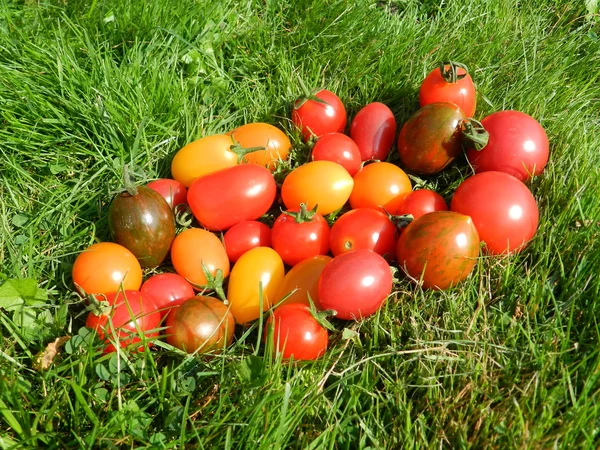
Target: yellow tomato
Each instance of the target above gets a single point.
(322, 183)
(303, 279)
(258, 265)
(380, 185)
(275, 142)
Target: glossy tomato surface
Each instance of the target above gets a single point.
(301, 281)
(440, 86)
(374, 130)
(338, 148)
(316, 118)
(517, 145)
(420, 202)
(380, 185)
(276, 145)
(230, 196)
(172, 191)
(167, 290)
(244, 236)
(502, 208)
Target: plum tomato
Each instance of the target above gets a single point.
(439, 248)
(450, 83)
(172, 191)
(380, 185)
(338, 148)
(502, 208)
(167, 290)
(420, 202)
(301, 281)
(374, 130)
(270, 145)
(326, 114)
(244, 236)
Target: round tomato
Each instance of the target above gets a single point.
(301, 281)
(517, 145)
(374, 129)
(271, 144)
(230, 196)
(502, 208)
(258, 266)
(355, 284)
(106, 267)
(439, 248)
(380, 185)
(199, 325)
(449, 83)
(296, 333)
(167, 290)
(420, 202)
(172, 191)
(319, 117)
(206, 155)
(322, 183)
(338, 148)
(244, 236)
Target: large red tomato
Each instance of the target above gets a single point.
(420, 202)
(244, 236)
(316, 117)
(374, 129)
(380, 185)
(338, 148)
(167, 290)
(450, 83)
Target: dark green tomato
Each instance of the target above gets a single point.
(431, 138)
(143, 223)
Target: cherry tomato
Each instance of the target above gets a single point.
(355, 284)
(322, 183)
(421, 202)
(106, 267)
(202, 157)
(194, 247)
(380, 185)
(502, 208)
(256, 266)
(230, 196)
(317, 118)
(172, 191)
(338, 148)
(167, 290)
(296, 333)
(302, 280)
(517, 145)
(449, 83)
(132, 315)
(246, 235)
(275, 142)
(374, 130)
(199, 325)
(439, 248)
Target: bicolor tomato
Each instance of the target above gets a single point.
(374, 130)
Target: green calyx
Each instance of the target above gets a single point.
(449, 71)
(307, 95)
(474, 134)
(129, 181)
(304, 215)
(241, 151)
(213, 283)
(321, 316)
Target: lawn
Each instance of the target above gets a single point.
(508, 359)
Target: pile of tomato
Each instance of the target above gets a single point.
(343, 220)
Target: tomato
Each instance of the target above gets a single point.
(302, 280)
(167, 290)
(316, 117)
(518, 145)
(502, 208)
(450, 83)
(380, 185)
(246, 235)
(202, 157)
(132, 315)
(276, 145)
(194, 247)
(364, 228)
(374, 130)
(199, 325)
(439, 248)
(338, 148)
(421, 202)
(355, 284)
(296, 333)
(256, 266)
(322, 183)
(230, 196)
(106, 267)
(172, 191)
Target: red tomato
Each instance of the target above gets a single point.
(355, 284)
(364, 228)
(303, 280)
(296, 333)
(255, 135)
(244, 236)
(502, 208)
(317, 118)
(132, 315)
(338, 148)
(380, 185)
(172, 191)
(420, 202)
(374, 129)
(449, 83)
(300, 234)
(222, 199)
(167, 290)
(517, 145)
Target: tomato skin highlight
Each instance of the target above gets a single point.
(441, 247)
(435, 89)
(172, 191)
(167, 290)
(258, 134)
(503, 210)
(421, 202)
(224, 198)
(380, 185)
(338, 148)
(316, 118)
(374, 130)
(303, 280)
(244, 236)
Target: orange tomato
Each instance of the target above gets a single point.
(302, 279)
(380, 185)
(275, 142)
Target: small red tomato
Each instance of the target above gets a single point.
(449, 83)
(172, 191)
(167, 290)
(296, 333)
(338, 148)
(420, 202)
(380, 185)
(374, 129)
(244, 236)
(319, 117)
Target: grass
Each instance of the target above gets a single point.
(510, 359)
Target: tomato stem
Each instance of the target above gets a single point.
(307, 95)
(129, 181)
(242, 151)
(303, 215)
(449, 71)
(213, 283)
(321, 316)
(474, 133)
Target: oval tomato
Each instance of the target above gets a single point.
(338, 148)
(172, 191)
(230, 196)
(301, 281)
(316, 118)
(274, 142)
(244, 236)
(322, 183)
(450, 83)
(167, 290)
(380, 185)
(374, 129)
(420, 202)
(355, 284)
(502, 208)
